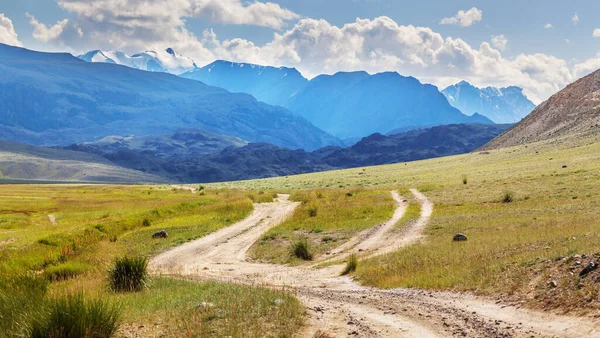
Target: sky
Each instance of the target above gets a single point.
(539, 45)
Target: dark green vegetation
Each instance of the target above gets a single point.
(301, 250)
(128, 274)
(73, 316)
(57, 244)
(260, 160)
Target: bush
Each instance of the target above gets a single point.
(301, 250)
(312, 212)
(146, 222)
(73, 316)
(129, 274)
(508, 197)
(351, 264)
(465, 179)
(64, 271)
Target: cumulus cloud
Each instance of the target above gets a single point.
(134, 25)
(7, 32)
(464, 18)
(548, 26)
(499, 42)
(575, 19)
(596, 33)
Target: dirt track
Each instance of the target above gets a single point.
(338, 306)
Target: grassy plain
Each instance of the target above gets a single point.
(326, 219)
(69, 236)
(547, 233)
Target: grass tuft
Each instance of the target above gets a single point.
(129, 274)
(301, 250)
(73, 316)
(508, 197)
(64, 271)
(465, 179)
(351, 264)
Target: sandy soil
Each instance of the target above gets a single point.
(338, 306)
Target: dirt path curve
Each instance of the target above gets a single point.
(339, 306)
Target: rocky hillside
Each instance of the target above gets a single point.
(261, 160)
(573, 110)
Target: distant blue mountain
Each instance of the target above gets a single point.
(268, 84)
(347, 105)
(357, 104)
(57, 99)
(501, 105)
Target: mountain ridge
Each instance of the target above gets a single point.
(501, 105)
(166, 61)
(57, 99)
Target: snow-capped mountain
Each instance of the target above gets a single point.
(167, 61)
(501, 105)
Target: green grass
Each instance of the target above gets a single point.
(97, 224)
(128, 274)
(413, 210)
(74, 316)
(351, 264)
(230, 310)
(301, 249)
(325, 219)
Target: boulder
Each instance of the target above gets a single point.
(160, 234)
(459, 238)
(588, 268)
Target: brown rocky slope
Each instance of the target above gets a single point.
(574, 110)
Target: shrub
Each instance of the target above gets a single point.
(64, 271)
(301, 250)
(508, 197)
(351, 264)
(349, 194)
(73, 316)
(146, 222)
(465, 179)
(129, 274)
(312, 212)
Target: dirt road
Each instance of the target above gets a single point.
(338, 306)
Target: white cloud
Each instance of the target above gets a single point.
(45, 33)
(7, 32)
(548, 26)
(499, 42)
(315, 47)
(575, 19)
(464, 19)
(596, 33)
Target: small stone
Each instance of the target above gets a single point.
(459, 238)
(205, 305)
(553, 284)
(278, 301)
(588, 268)
(160, 234)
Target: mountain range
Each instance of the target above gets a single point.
(166, 61)
(501, 105)
(346, 105)
(261, 160)
(267, 84)
(57, 99)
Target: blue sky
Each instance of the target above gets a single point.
(492, 43)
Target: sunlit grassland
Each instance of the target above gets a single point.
(556, 186)
(326, 219)
(71, 234)
(412, 212)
